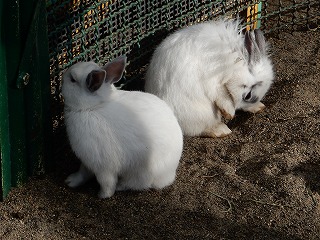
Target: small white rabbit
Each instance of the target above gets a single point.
(208, 70)
(128, 140)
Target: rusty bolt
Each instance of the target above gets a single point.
(26, 79)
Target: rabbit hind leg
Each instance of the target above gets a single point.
(165, 179)
(134, 180)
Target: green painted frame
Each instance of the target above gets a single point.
(5, 164)
(25, 130)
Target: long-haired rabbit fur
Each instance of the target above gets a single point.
(127, 140)
(210, 70)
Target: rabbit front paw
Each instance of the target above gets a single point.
(108, 182)
(219, 130)
(226, 109)
(255, 108)
(106, 193)
(227, 115)
(225, 103)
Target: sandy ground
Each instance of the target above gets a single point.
(262, 182)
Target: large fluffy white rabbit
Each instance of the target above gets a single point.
(208, 70)
(127, 140)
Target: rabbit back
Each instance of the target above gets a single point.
(203, 71)
(134, 136)
(181, 74)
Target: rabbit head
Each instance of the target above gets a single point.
(251, 75)
(83, 86)
(254, 80)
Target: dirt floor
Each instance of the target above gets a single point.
(262, 182)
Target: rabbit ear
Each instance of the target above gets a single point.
(255, 44)
(261, 42)
(248, 43)
(95, 79)
(115, 69)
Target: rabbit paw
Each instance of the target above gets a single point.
(107, 183)
(226, 109)
(226, 115)
(255, 108)
(78, 178)
(121, 187)
(219, 130)
(106, 193)
(75, 180)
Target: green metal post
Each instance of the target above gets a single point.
(14, 40)
(25, 132)
(5, 164)
(35, 61)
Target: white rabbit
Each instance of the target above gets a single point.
(208, 70)
(127, 140)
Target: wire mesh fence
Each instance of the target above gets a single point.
(85, 30)
(290, 15)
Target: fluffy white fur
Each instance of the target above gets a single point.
(208, 70)
(128, 140)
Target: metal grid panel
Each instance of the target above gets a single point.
(83, 30)
(99, 30)
(290, 15)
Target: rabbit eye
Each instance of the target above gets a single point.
(72, 79)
